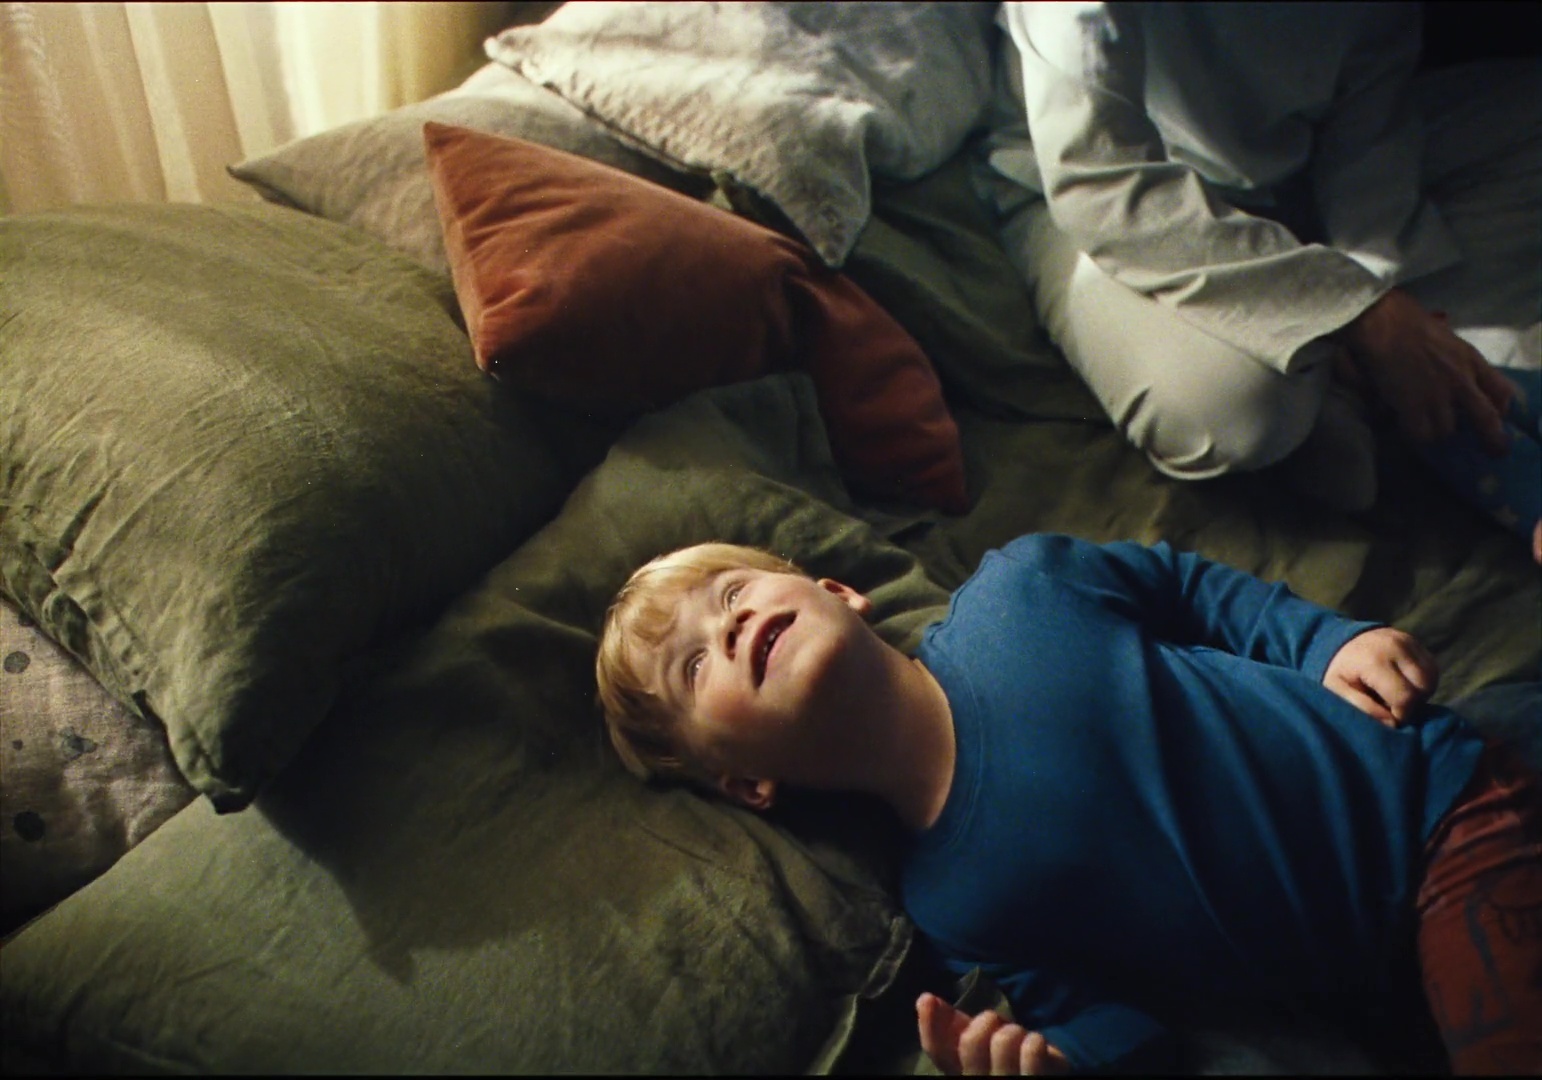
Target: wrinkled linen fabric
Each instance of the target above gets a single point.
(1268, 202)
(798, 102)
(1168, 161)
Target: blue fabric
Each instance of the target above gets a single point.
(1507, 488)
(1155, 799)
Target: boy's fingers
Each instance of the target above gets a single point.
(1034, 1057)
(1362, 701)
(1417, 677)
(974, 1046)
(1042, 1059)
(1388, 684)
(1429, 667)
(1007, 1055)
(1410, 661)
(1408, 678)
(940, 1025)
(1415, 671)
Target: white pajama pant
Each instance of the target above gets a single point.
(1199, 407)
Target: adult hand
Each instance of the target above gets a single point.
(983, 1045)
(1426, 374)
(1384, 673)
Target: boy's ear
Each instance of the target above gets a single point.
(858, 602)
(755, 794)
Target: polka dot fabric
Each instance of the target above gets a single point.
(83, 778)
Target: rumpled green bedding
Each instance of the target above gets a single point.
(454, 875)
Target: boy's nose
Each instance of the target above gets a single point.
(733, 627)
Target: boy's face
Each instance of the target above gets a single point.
(761, 668)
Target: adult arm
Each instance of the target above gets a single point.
(1155, 225)
(1152, 223)
(1367, 171)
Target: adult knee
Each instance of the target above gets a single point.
(1196, 421)
(1196, 406)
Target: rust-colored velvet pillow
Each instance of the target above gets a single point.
(617, 295)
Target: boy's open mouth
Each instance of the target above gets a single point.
(765, 639)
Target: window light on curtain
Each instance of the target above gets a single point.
(148, 102)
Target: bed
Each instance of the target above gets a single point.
(310, 510)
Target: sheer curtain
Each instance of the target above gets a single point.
(148, 102)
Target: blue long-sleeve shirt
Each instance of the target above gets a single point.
(1155, 798)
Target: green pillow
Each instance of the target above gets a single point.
(239, 446)
(456, 874)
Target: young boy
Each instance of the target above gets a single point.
(1134, 778)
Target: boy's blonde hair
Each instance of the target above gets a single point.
(642, 728)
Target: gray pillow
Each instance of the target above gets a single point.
(372, 173)
(240, 446)
(797, 102)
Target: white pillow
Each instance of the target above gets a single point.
(799, 102)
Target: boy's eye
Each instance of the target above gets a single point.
(732, 594)
(692, 669)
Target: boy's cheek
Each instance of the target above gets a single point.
(708, 745)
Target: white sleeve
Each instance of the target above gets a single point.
(1368, 159)
(1152, 223)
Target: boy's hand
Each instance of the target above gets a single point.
(1384, 673)
(983, 1045)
